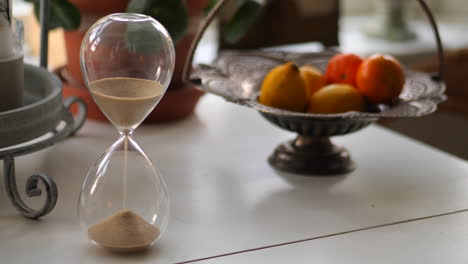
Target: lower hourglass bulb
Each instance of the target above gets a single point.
(124, 204)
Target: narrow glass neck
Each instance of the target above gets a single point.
(126, 132)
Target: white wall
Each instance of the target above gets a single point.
(455, 7)
(351, 7)
(356, 7)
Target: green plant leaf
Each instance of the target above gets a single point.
(143, 39)
(245, 17)
(242, 2)
(138, 6)
(62, 14)
(210, 6)
(172, 14)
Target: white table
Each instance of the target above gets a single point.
(225, 197)
(432, 241)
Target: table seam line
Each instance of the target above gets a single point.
(326, 236)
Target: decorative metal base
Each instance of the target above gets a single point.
(311, 156)
(32, 188)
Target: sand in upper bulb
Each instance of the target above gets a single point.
(126, 101)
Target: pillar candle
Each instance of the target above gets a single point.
(11, 62)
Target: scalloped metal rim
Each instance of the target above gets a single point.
(275, 111)
(422, 92)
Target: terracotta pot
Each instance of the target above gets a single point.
(176, 104)
(182, 48)
(73, 43)
(196, 7)
(102, 7)
(180, 99)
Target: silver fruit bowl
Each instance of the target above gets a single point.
(237, 76)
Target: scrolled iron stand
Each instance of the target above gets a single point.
(72, 125)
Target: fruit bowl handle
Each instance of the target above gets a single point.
(440, 48)
(201, 31)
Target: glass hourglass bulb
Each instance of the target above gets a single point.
(127, 62)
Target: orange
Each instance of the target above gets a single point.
(380, 79)
(336, 98)
(342, 68)
(313, 78)
(284, 88)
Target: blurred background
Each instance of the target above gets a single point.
(365, 27)
(447, 128)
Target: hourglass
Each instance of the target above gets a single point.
(127, 62)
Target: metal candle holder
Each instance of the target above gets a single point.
(237, 75)
(33, 121)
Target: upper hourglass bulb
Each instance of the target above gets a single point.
(127, 62)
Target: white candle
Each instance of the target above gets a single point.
(6, 34)
(6, 39)
(11, 64)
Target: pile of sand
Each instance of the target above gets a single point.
(124, 231)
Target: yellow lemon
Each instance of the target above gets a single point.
(313, 78)
(284, 88)
(336, 98)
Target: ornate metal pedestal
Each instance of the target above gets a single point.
(318, 155)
